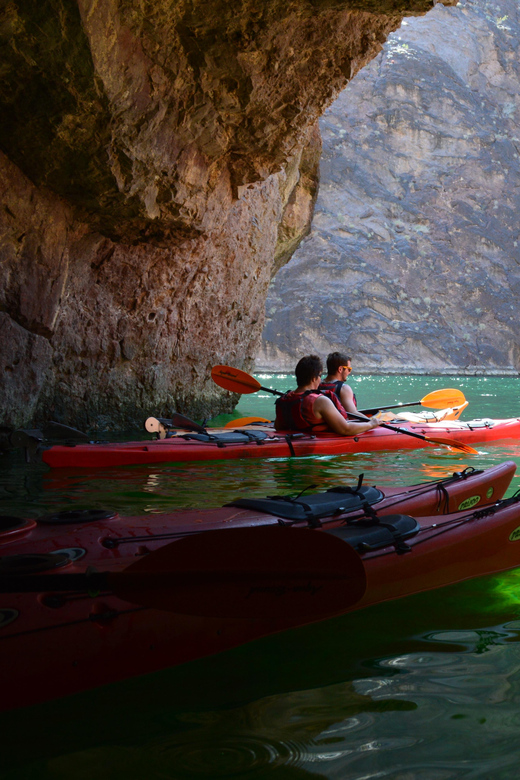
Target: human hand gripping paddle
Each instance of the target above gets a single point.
(269, 572)
(238, 381)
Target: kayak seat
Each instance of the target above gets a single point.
(233, 437)
(485, 422)
(315, 506)
(10, 523)
(76, 516)
(390, 531)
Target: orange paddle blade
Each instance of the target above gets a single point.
(234, 380)
(245, 421)
(452, 444)
(440, 399)
(268, 572)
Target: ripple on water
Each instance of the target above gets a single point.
(230, 755)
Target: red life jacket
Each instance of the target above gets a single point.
(335, 387)
(294, 411)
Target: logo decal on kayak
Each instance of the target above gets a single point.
(514, 536)
(490, 492)
(469, 502)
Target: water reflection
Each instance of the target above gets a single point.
(424, 687)
(427, 687)
(35, 489)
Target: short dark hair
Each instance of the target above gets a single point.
(335, 360)
(307, 369)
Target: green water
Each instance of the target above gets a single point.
(427, 687)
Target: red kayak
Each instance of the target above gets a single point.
(256, 443)
(66, 629)
(104, 534)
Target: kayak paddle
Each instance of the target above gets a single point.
(54, 430)
(270, 572)
(437, 399)
(451, 443)
(246, 421)
(154, 424)
(239, 382)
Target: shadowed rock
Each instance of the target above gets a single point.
(158, 163)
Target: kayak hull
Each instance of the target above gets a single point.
(53, 645)
(81, 643)
(277, 445)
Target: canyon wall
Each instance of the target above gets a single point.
(413, 262)
(158, 163)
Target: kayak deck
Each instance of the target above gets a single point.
(276, 444)
(104, 534)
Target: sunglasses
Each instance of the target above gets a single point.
(349, 368)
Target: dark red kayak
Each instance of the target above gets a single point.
(105, 534)
(65, 628)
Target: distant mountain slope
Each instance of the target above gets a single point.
(413, 262)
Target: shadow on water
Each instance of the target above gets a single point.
(290, 706)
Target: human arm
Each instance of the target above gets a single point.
(325, 410)
(346, 396)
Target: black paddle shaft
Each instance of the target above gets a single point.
(394, 428)
(270, 390)
(402, 430)
(385, 408)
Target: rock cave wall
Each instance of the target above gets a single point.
(158, 162)
(413, 262)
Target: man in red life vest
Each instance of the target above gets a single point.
(338, 370)
(308, 409)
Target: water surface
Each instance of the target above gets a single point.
(427, 687)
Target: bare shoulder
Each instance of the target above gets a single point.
(322, 403)
(347, 391)
(323, 400)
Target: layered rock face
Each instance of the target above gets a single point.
(158, 163)
(413, 263)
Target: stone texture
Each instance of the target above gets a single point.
(158, 163)
(413, 262)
